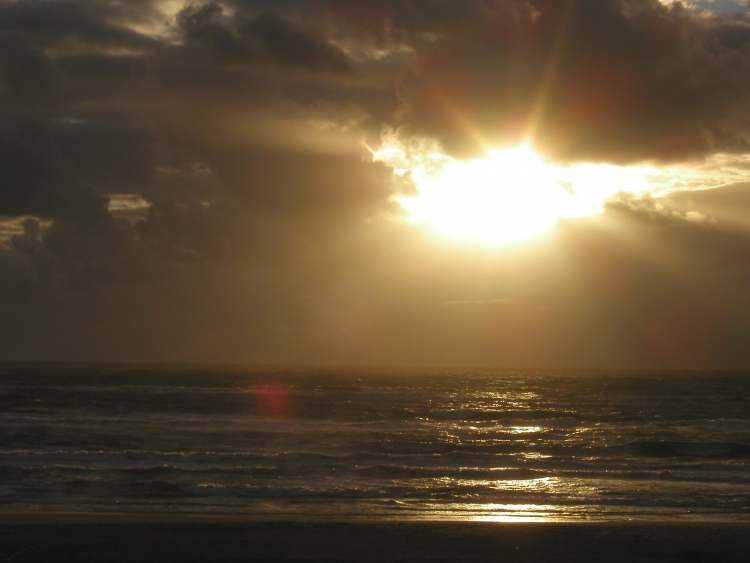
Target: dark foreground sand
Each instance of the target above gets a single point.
(62, 540)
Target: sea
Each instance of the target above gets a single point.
(300, 445)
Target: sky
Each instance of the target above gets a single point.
(507, 183)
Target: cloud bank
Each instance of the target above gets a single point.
(187, 181)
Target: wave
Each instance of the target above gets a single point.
(151, 439)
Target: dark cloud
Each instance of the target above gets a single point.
(289, 45)
(622, 80)
(28, 80)
(59, 166)
(105, 123)
(203, 26)
(249, 39)
(51, 23)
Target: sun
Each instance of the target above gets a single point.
(482, 200)
(510, 196)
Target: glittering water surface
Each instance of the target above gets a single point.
(491, 446)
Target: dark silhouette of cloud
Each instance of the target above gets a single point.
(53, 22)
(624, 80)
(248, 39)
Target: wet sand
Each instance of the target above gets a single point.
(78, 539)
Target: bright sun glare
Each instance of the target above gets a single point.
(511, 195)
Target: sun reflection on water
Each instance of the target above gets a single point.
(515, 513)
(525, 429)
(500, 512)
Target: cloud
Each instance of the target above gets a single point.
(196, 188)
(129, 206)
(248, 39)
(54, 167)
(598, 79)
(728, 205)
(63, 23)
(20, 229)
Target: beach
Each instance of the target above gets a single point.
(30, 539)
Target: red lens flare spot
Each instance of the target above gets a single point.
(273, 400)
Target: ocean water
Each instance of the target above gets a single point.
(457, 445)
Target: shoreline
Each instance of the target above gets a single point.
(176, 518)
